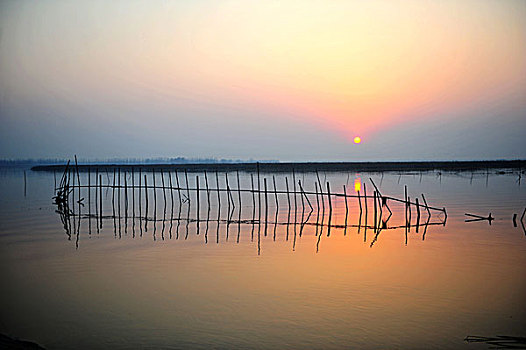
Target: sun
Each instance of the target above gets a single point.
(357, 140)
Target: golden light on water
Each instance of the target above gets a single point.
(357, 140)
(357, 184)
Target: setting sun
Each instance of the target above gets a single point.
(357, 140)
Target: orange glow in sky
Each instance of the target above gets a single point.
(252, 68)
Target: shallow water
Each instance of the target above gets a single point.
(264, 286)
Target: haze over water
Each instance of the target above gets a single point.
(285, 80)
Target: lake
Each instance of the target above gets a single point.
(269, 276)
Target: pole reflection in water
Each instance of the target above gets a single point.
(338, 215)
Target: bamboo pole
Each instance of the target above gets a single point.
(164, 188)
(317, 207)
(217, 187)
(197, 199)
(171, 193)
(187, 187)
(72, 192)
(140, 200)
(405, 201)
(266, 202)
(330, 209)
(178, 187)
(305, 195)
(321, 194)
(113, 192)
(133, 199)
(253, 202)
(346, 205)
(375, 214)
(239, 194)
(100, 198)
(409, 213)
(97, 198)
(359, 202)
(365, 201)
(427, 206)
(259, 193)
(89, 199)
(346, 209)
(229, 197)
(294, 193)
(119, 192)
(125, 201)
(155, 200)
(207, 190)
(287, 186)
(275, 192)
(146, 200)
(78, 180)
(417, 214)
(119, 200)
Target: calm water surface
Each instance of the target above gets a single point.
(183, 284)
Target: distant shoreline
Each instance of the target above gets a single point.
(306, 166)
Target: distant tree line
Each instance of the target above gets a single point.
(167, 160)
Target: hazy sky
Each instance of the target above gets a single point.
(287, 80)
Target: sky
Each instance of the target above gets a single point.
(280, 80)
